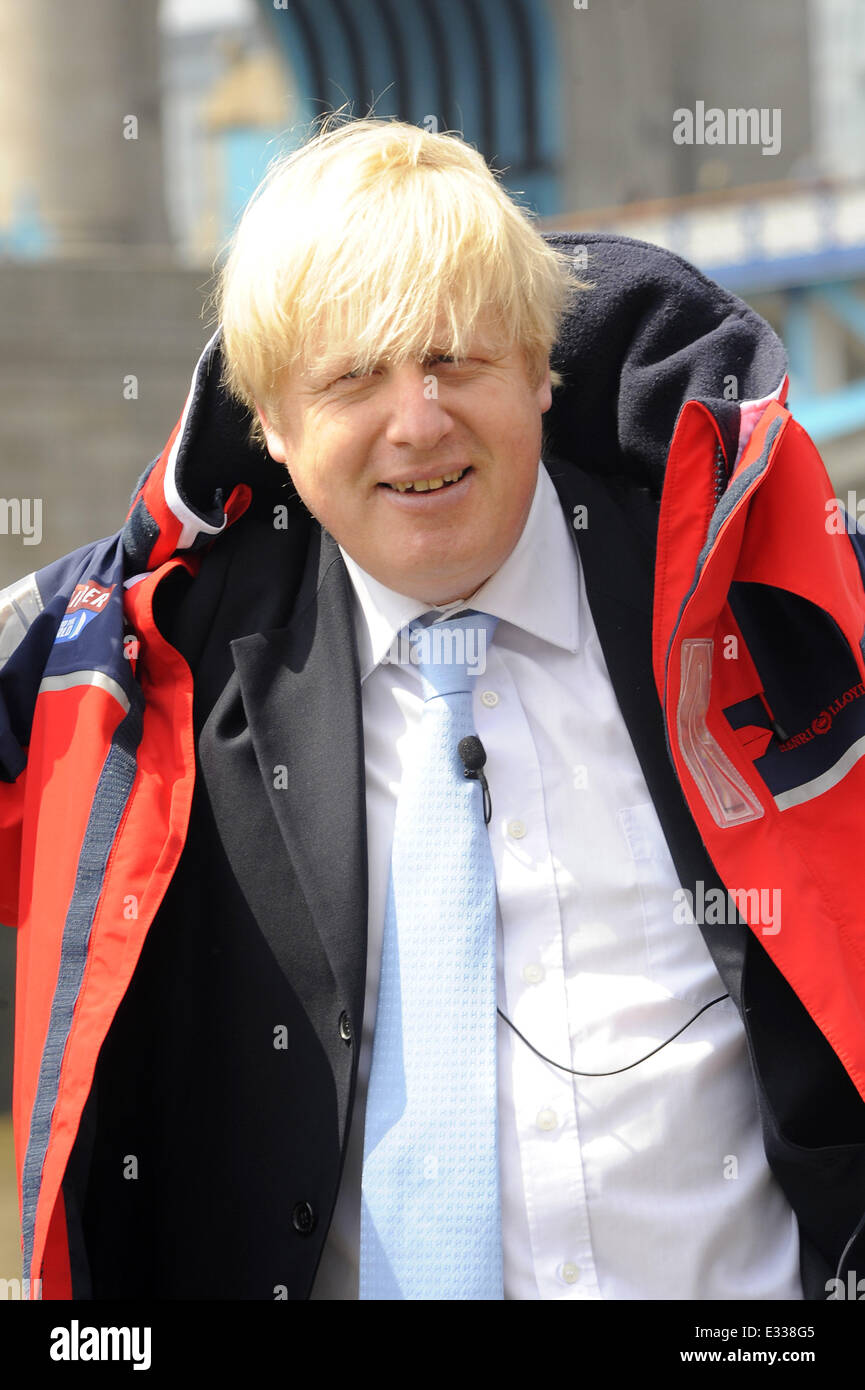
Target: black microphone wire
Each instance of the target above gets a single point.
(617, 1070)
(473, 756)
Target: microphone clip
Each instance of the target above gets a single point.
(473, 756)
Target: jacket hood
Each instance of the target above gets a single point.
(651, 333)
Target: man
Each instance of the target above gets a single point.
(242, 1009)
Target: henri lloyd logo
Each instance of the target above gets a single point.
(87, 601)
(440, 645)
(823, 723)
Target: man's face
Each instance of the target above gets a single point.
(349, 441)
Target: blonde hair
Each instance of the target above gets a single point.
(378, 239)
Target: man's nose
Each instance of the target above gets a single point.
(415, 414)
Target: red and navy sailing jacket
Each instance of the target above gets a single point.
(759, 663)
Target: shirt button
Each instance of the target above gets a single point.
(569, 1272)
(345, 1027)
(533, 974)
(489, 698)
(516, 829)
(547, 1119)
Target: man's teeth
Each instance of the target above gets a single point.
(429, 484)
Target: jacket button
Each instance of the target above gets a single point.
(303, 1219)
(345, 1027)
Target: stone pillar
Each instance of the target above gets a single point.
(80, 137)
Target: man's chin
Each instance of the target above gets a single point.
(436, 589)
(427, 575)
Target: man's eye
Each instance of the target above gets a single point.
(439, 357)
(356, 375)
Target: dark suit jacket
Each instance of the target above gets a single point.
(229, 1070)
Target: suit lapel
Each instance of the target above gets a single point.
(299, 689)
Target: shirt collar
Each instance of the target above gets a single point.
(540, 598)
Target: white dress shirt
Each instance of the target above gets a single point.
(651, 1184)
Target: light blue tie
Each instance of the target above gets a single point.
(431, 1209)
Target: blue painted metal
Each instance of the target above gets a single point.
(301, 43)
(833, 415)
(762, 275)
(798, 336)
(485, 68)
(843, 301)
(246, 154)
(544, 188)
(26, 236)
(489, 70)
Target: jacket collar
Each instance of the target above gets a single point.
(649, 334)
(299, 689)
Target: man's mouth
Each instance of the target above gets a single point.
(428, 484)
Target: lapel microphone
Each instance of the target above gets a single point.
(473, 756)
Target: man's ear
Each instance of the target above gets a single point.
(275, 441)
(545, 391)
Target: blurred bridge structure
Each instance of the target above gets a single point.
(795, 250)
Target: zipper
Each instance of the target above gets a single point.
(721, 478)
(719, 486)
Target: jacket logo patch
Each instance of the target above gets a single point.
(823, 723)
(87, 601)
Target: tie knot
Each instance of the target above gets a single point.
(449, 654)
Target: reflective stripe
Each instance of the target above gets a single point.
(830, 778)
(20, 604)
(109, 803)
(73, 678)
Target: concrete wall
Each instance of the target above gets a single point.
(69, 334)
(80, 124)
(628, 66)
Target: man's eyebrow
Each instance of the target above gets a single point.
(338, 366)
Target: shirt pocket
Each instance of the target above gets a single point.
(677, 957)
